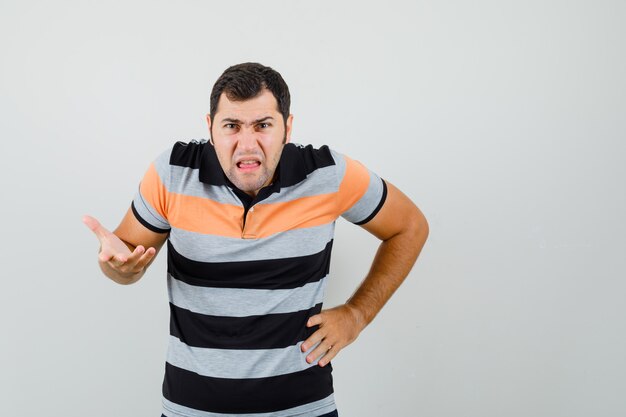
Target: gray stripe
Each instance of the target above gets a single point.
(186, 181)
(162, 166)
(289, 244)
(368, 203)
(314, 409)
(321, 181)
(235, 363)
(148, 213)
(237, 302)
(340, 166)
(145, 210)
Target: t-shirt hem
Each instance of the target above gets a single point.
(324, 408)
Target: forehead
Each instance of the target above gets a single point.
(264, 104)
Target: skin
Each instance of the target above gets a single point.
(123, 255)
(403, 230)
(254, 131)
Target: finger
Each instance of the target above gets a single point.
(125, 262)
(139, 259)
(95, 227)
(131, 260)
(146, 258)
(115, 261)
(319, 351)
(314, 320)
(313, 340)
(105, 256)
(330, 354)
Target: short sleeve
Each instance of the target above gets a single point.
(361, 193)
(150, 203)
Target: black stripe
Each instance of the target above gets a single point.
(297, 162)
(285, 273)
(378, 207)
(269, 331)
(145, 223)
(187, 155)
(254, 395)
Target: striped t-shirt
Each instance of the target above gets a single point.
(244, 275)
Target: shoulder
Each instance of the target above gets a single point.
(314, 158)
(298, 162)
(309, 155)
(180, 154)
(187, 154)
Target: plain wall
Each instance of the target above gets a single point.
(503, 120)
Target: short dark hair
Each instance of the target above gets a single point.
(245, 81)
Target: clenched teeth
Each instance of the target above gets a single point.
(248, 162)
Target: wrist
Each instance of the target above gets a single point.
(358, 315)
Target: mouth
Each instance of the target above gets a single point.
(248, 165)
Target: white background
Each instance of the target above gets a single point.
(503, 120)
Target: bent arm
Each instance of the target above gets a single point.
(403, 230)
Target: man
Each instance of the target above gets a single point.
(249, 219)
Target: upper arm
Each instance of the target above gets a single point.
(397, 215)
(146, 221)
(133, 233)
(376, 205)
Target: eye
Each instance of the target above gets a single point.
(230, 126)
(264, 125)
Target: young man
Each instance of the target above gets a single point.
(249, 219)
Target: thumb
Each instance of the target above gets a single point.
(95, 227)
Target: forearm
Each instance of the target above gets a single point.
(393, 262)
(403, 230)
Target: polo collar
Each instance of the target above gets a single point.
(211, 171)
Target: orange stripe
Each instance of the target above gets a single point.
(153, 191)
(202, 215)
(268, 219)
(353, 185)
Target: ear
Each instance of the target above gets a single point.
(288, 126)
(208, 122)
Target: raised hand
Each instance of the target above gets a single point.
(115, 255)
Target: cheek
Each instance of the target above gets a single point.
(224, 157)
(272, 146)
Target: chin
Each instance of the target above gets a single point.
(248, 186)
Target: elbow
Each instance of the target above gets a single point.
(418, 227)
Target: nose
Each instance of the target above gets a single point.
(247, 139)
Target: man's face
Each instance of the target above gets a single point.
(248, 137)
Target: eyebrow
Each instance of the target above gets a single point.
(231, 120)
